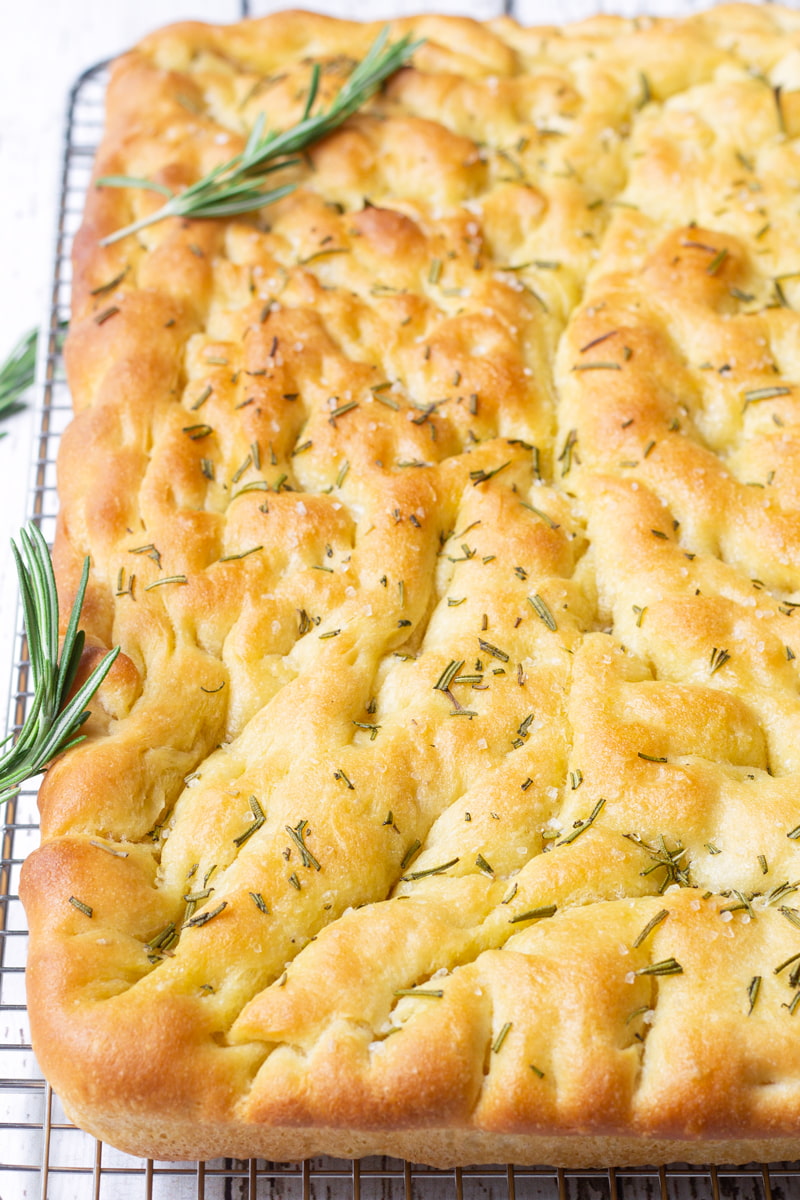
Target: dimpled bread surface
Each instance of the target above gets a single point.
(444, 798)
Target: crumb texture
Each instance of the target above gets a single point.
(445, 794)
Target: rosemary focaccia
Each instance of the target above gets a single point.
(444, 799)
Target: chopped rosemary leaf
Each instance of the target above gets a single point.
(302, 262)
(372, 729)
(241, 554)
(541, 515)
(112, 283)
(255, 485)
(493, 650)
(482, 475)
(431, 993)
(163, 940)
(169, 579)
(765, 393)
(637, 1012)
(106, 314)
(203, 918)
(150, 551)
(196, 432)
(259, 902)
(340, 478)
(597, 366)
(448, 675)
(718, 659)
(258, 821)
(717, 261)
(525, 725)
(651, 757)
(431, 871)
(597, 341)
(786, 964)
(84, 908)
(753, 988)
(239, 472)
(542, 611)
(484, 866)
(650, 926)
(670, 860)
(539, 1074)
(568, 452)
(791, 914)
(501, 1037)
(647, 92)
(341, 410)
(297, 836)
(340, 774)
(410, 854)
(781, 891)
(668, 966)
(534, 914)
(582, 826)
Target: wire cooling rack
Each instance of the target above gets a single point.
(41, 1153)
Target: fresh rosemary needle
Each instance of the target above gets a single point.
(53, 721)
(17, 373)
(239, 185)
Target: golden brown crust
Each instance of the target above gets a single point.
(443, 799)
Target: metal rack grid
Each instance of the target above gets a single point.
(41, 1153)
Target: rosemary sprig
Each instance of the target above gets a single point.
(17, 373)
(52, 723)
(238, 186)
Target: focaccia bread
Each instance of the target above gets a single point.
(444, 800)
